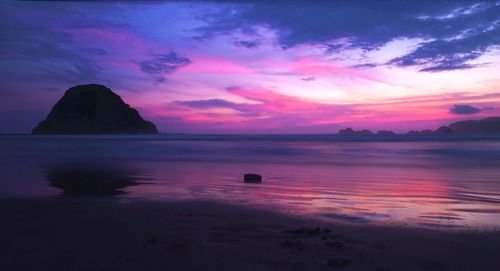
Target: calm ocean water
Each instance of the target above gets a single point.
(437, 182)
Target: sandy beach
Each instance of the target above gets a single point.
(105, 234)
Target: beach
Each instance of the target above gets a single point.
(103, 234)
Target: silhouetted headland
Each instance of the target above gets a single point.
(349, 131)
(93, 109)
(487, 126)
(385, 132)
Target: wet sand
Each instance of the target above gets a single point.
(104, 234)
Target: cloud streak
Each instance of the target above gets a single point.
(163, 64)
(464, 109)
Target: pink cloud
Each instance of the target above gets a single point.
(315, 67)
(268, 111)
(203, 64)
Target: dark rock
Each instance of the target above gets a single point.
(252, 178)
(346, 131)
(443, 130)
(93, 109)
(363, 132)
(385, 132)
(349, 131)
(487, 126)
(422, 132)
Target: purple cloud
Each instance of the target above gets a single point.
(310, 78)
(211, 103)
(464, 109)
(247, 43)
(453, 32)
(163, 64)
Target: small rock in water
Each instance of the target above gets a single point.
(252, 178)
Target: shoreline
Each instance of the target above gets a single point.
(77, 233)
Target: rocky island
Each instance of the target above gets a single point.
(93, 109)
(486, 126)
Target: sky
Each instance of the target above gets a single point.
(255, 67)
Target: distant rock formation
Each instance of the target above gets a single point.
(93, 109)
(443, 130)
(349, 131)
(422, 132)
(346, 131)
(385, 132)
(363, 132)
(487, 126)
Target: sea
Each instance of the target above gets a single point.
(441, 182)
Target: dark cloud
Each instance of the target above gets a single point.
(247, 43)
(310, 78)
(163, 64)
(464, 109)
(453, 32)
(365, 65)
(441, 55)
(232, 88)
(50, 53)
(211, 103)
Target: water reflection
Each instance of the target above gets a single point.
(440, 184)
(409, 196)
(91, 179)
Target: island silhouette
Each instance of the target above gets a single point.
(486, 126)
(93, 109)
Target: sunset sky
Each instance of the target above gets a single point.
(250, 67)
